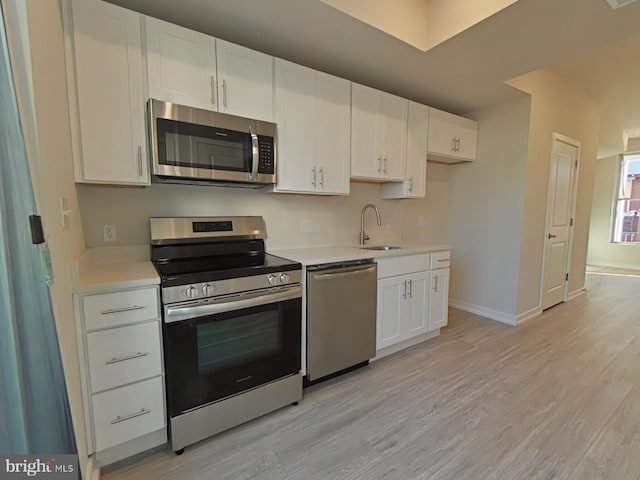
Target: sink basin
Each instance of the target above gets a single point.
(380, 247)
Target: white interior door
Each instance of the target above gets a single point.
(560, 206)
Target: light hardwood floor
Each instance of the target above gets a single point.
(557, 398)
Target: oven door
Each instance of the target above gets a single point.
(230, 345)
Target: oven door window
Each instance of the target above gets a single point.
(188, 145)
(213, 357)
(228, 344)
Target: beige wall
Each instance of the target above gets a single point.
(406, 22)
(334, 219)
(52, 173)
(556, 106)
(601, 250)
(487, 201)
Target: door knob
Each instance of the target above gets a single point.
(552, 236)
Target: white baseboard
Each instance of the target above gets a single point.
(576, 293)
(630, 266)
(496, 315)
(528, 315)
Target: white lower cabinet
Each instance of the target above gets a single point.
(128, 412)
(402, 308)
(412, 298)
(120, 345)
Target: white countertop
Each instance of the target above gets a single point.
(343, 253)
(92, 274)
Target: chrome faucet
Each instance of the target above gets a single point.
(363, 237)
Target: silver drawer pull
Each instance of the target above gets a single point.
(119, 419)
(122, 309)
(128, 357)
(443, 259)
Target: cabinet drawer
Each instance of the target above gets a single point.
(123, 355)
(390, 267)
(440, 259)
(129, 412)
(113, 309)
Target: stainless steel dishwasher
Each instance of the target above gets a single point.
(341, 317)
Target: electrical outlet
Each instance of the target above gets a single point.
(109, 233)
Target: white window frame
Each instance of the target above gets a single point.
(616, 213)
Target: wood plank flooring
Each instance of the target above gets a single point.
(557, 398)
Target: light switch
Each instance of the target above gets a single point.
(66, 212)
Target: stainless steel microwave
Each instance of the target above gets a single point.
(191, 145)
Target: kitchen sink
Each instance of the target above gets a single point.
(380, 247)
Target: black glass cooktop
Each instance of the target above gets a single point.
(206, 269)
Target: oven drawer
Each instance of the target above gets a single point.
(113, 309)
(129, 412)
(123, 355)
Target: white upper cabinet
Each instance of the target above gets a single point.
(379, 135)
(415, 184)
(194, 69)
(181, 65)
(109, 109)
(451, 138)
(313, 117)
(245, 81)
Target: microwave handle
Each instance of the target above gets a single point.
(255, 155)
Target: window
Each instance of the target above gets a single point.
(627, 203)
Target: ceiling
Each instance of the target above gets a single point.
(462, 74)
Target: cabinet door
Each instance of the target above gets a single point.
(415, 184)
(394, 150)
(417, 316)
(451, 138)
(366, 104)
(441, 133)
(439, 298)
(295, 116)
(333, 140)
(467, 138)
(245, 81)
(110, 101)
(391, 311)
(417, 150)
(181, 65)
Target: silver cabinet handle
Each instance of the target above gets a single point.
(224, 92)
(313, 176)
(453, 144)
(435, 285)
(122, 309)
(411, 184)
(124, 359)
(322, 177)
(255, 154)
(385, 165)
(119, 419)
(139, 160)
(404, 292)
(410, 288)
(443, 259)
(213, 90)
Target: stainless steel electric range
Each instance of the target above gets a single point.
(232, 324)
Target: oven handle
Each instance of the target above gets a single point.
(229, 304)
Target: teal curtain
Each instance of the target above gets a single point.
(34, 409)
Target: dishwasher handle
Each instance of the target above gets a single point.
(342, 272)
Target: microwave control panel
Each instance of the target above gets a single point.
(267, 163)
